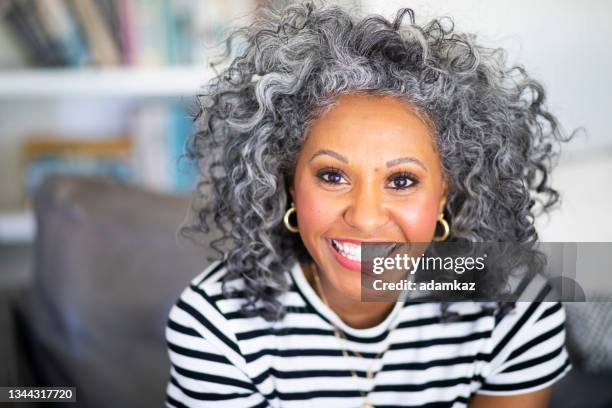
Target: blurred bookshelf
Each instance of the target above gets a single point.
(120, 81)
(137, 64)
(17, 227)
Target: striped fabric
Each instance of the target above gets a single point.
(221, 359)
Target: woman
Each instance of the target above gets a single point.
(329, 132)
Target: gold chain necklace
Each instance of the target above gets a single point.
(340, 336)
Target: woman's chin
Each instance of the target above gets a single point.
(349, 284)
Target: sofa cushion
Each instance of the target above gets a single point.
(589, 334)
(108, 267)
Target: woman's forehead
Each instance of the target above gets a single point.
(380, 125)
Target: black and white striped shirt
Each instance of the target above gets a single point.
(220, 358)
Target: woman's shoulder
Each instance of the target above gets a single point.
(534, 302)
(527, 345)
(210, 281)
(205, 290)
(198, 313)
(211, 275)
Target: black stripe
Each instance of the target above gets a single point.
(534, 361)
(436, 320)
(289, 310)
(286, 331)
(298, 374)
(535, 341)
(434, 363)
(526, 384)
(208, 396)
(528, 313)
(522, 286)
(213, 329)
(298, 353)
(211, 378)
(263, 404)
(421, 387)
(207, 298)
(436, 404)
(182, 329)
(214, 269)
(174, 402)
(238, 294)
(551, 310)
(202, 355)
(354, 394)
(441, 341)
(292, 396)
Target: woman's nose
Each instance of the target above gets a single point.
(365, 211)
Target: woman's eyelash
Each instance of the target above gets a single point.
(403, 180)
(403, 176)
(330, 171)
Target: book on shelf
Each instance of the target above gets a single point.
(104, 49)
(23, 21)
(45, 155)
(60, 28)
(150, 154)
(160, 133)
(69, 33)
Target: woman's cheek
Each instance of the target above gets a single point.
(418, 221)
(315, 212)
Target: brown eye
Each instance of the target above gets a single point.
(402, 181)
(331, 176)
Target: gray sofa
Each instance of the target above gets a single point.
(107, 269)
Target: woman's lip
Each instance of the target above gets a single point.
(389, 246)
(360, 241)
(365, 265)
(357, 266)
(342, 260)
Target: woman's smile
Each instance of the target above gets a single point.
(347, 253)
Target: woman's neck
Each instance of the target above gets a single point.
(355, 313)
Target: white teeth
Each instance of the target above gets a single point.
(348, 250)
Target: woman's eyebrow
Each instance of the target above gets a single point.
(390, 163)
(329, 153)
(400, 160)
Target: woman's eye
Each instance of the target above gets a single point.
(331, 176)
(402, 181)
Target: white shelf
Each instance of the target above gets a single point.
(123, 82)
(17, 227)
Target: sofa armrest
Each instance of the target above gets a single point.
(15, 369)
(8, 369)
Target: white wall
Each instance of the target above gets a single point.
(568, 46)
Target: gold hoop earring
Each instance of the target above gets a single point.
(286, 219)
(445, 226)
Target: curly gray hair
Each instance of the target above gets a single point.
(495, 137)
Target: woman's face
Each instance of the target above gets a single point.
(368, 171)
